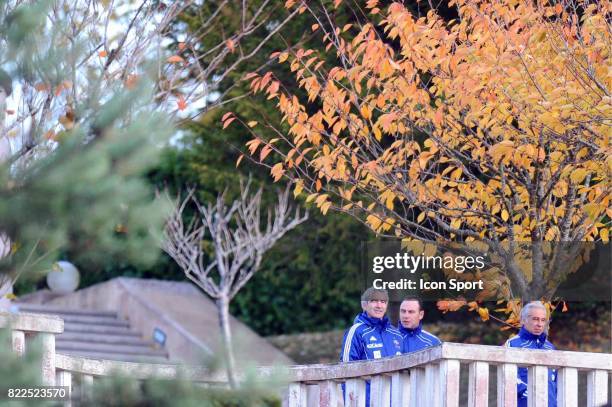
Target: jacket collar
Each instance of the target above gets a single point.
(408, 331)
(373, 322)
(528, 336)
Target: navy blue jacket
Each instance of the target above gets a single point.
(417, 338)
(370, 338)
(527, 340)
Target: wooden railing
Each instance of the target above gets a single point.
(431, 377)
(27, 327)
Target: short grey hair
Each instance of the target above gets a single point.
(530, 306)
(372, 294)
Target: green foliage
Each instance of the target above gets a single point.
(119, 391)
(123, 391)
(83, 193)
(16, 371)
(87, 195)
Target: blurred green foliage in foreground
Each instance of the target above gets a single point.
(116, 390)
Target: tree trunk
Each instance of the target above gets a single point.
(226, 334)
(6, 282)
(6, 289)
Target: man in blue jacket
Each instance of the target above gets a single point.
(372, 336)
(534, 325)
(414, 337)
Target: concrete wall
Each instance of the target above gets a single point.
(187, 317)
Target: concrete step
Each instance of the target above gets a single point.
(99, 335)
(77, 327)
(87, 317)
(94, 320)
(69, 346)
(117, 339)
(117, 356)
(53, 309)
(83, 316)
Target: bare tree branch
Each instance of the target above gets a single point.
(239, 237)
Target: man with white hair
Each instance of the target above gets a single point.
(534, 328)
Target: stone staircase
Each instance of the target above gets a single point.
(99, 335)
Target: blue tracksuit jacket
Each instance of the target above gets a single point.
(527, 340)
(370, 338)
(417, 338)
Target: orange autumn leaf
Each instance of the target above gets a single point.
(239, 160)
(102, 54)
(59, 89)
(131, 81)
(277, 172)
(450, 305)
(42, 87)
(484, 313)
(175, 59)
(252, 145)
(231, 45)
(228, 122)
(181, 103)
(263, 153)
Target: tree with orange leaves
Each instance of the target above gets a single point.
(489, 131)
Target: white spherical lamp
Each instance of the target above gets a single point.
(64, 278)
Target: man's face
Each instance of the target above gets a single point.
(536, 321)
(410, 314)
(376, 308)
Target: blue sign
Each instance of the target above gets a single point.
(159, 336)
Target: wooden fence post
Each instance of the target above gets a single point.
(478, 391)
(506, 385)
(537, 386)
(449, 383)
